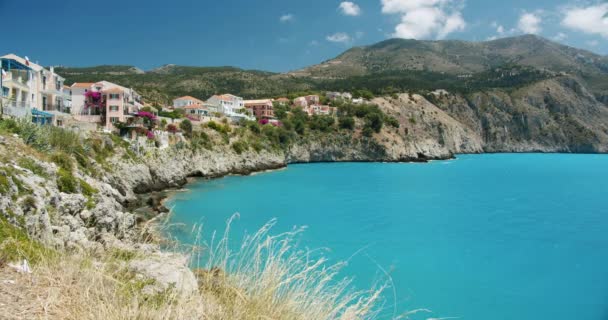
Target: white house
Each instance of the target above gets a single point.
(185, 101)
(27, 86)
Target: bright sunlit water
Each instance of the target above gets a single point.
(502, 236)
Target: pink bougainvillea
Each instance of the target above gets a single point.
(146, 114)
(263, 121)
(93, 95)
(150, 135)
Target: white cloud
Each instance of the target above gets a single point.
(286, 17)
(593, 43)
(350, 8)
(592, 19)
(529, 23)
(340, 37)
(425, 18)
(560, 36)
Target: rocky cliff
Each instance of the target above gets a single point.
(555, 115)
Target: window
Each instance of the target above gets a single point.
(114, 119)
(114, 96)
(113, 108)
(60, 123)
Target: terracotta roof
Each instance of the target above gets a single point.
(82, 84)
(195, 106)
(283, 100)
(260, 101)
(113, 90)
(188, 98)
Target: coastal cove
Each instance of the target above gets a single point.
(498, 236)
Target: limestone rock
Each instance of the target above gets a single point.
(169, 271)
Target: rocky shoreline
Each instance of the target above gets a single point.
(153, 202)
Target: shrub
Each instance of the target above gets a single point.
(322, 123)
(253, 127)
(346, 122)
(240, 146)
(374, 121)
(63, 161)
(201, 140)
(221, 128)
(412, 120)
(367, 132)
(392, 121)
(66, 182)
(186, 126)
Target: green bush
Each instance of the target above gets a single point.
(367, 132)
(63, 161)
(66, 182)
(201, 140)
(186, 127)
(374, 121)
(392, 121)
(240, 146)
(322, 123)
(221, 128)
(346, 122)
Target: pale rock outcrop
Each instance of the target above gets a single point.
(169, 271)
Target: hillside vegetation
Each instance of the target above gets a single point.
(391, 66)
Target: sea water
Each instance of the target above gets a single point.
(496, 236)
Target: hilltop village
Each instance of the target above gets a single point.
(31, 91)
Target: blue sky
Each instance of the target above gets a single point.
(274, 35)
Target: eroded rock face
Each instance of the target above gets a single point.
(556, 115)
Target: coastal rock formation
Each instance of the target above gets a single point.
(555, 115)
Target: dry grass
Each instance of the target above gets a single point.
(266, 278)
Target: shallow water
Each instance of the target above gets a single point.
(501, 236)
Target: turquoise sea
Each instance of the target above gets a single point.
(497, 236)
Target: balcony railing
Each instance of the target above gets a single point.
(17, 109)
(55, 107)
(20, 78)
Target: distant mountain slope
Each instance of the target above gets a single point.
(167, 82)
(458, 57)
(394, 65)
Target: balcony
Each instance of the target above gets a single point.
(56, 107)
(17, 109)
(19, 78)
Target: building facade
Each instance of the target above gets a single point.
(227, 104)
(185, 101)
(104, 103)
(261, 109)
(27, 86)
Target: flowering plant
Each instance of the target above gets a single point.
(150, 135)
(93, 95)
(172, 128)
(263, 121)
(146, 114)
